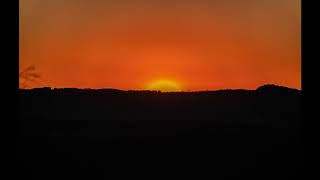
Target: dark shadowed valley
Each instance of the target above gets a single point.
(229, 133)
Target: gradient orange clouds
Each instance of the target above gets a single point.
(129, 44)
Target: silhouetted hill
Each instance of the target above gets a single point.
(271, 88)
(242, 133)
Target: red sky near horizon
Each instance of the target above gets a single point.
(129, 44)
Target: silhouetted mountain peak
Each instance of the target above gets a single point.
(272, 88)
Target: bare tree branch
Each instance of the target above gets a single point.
(28, 75)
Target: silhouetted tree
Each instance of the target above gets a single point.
(27, 75)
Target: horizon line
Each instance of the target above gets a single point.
(110, 88)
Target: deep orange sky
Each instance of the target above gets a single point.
(128, 44)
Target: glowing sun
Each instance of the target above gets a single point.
(164, 86)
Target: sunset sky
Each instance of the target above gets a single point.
(131, 44)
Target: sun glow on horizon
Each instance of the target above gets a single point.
(162, 45)
(164, 86)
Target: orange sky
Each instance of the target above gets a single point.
(128, 44)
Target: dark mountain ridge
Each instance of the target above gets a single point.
(266, 87)
(241, 133)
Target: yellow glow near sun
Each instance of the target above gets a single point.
(164, 86)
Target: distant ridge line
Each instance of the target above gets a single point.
(263, 88)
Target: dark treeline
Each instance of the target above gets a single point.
(239, 133)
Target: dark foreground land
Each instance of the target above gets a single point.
(72, 133)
